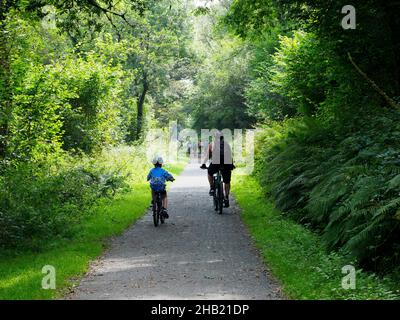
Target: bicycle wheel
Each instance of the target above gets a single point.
(215, 202)
(155, 219)
(156, 212)
(215, 198)
(220, 199)
(162, 218)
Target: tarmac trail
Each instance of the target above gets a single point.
(198, 254)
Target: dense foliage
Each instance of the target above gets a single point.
(57, 193)
(327, 98)
(79, 79)
(326, 101)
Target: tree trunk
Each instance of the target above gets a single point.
(140, 107)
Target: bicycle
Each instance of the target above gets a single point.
(218, 196)
(157, 209)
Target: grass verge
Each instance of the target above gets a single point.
(296, 256)
(21, 274)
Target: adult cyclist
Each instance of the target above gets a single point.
(220, 154)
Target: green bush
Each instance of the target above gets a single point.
(345, 185)
(42, 200)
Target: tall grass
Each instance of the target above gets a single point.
(297, 256)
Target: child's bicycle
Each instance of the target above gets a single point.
(158, 215)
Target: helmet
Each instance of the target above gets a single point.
(158, 160)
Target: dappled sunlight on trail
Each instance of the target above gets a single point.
(197, 254)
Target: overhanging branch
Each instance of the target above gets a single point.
(109, 11)
(389, 100)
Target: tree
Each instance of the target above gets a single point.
(72, 12)
(217, 100)
(163, 35)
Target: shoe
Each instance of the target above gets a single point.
(165, 213)
(226, 203)
(211, 193)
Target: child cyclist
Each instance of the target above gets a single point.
(158, 178)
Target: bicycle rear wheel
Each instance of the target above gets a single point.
(155, 218)
(156, 212)
(215, 203)
(220, 198)
(215, 196)
(162, 218)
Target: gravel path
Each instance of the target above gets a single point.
(197, 254)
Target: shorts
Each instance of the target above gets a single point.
(226, 171)
(161, 191)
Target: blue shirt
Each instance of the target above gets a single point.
(158, 178)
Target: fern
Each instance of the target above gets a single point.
(347, 186)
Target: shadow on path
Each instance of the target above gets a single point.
(197, 254)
